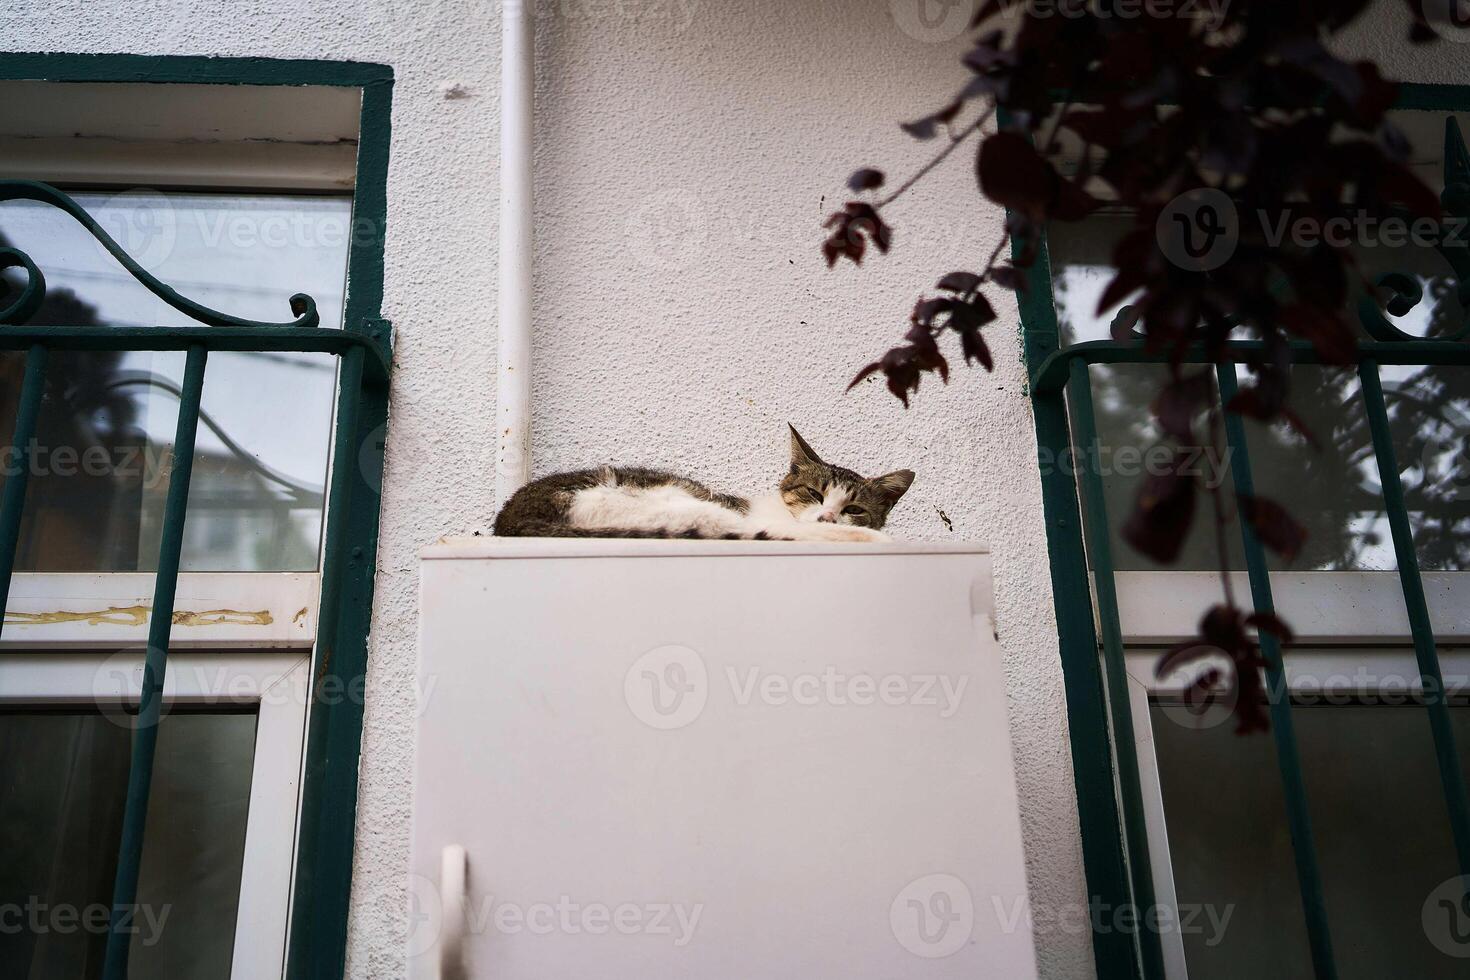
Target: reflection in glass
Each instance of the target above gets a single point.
(1334, 488)
(103, 452)
(1382, 832)
(62, 792)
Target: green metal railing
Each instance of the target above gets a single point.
(352, 502)
(1110, 799)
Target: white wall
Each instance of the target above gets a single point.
(688, 151)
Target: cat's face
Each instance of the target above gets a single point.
(819, 492)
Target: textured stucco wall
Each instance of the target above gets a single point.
(687, 153)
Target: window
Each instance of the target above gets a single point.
(1330, 840)
(249, 174)
(217, 851)
(1218, 830)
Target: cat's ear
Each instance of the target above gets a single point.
(893, 485)
(801, 453)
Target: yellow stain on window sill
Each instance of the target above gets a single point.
(138, 616)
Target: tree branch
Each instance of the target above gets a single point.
(954, 143)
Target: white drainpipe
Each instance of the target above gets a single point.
(517, 92)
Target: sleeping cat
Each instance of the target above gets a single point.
(815, 502)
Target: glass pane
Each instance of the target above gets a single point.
(1382, 836)
(1082, 266)
(64, 785)
(102, 457)
(1128, 448)
(1082, 252)
(1333, 490)
(1429, 413)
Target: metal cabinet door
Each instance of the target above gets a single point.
(713, 760)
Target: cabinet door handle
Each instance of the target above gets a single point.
(453, 872)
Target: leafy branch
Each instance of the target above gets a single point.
(1261, 114)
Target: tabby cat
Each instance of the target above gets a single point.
(816, 501)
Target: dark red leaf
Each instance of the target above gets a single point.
(1124, 324)
(1271, 623)
(1015, 176)
(1009, 277)
(975, 349)
(927, 309)
(1274, 525)
(928, 127)
(1222, 631)
(1180, 401)
(923, 352)
(1163, 512)
(976, 313)
(852, 228)
(960, 282)
(863, 375)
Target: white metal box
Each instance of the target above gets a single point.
(713, 760)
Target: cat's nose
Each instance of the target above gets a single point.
(827, 518)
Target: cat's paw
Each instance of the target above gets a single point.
(845, 533)
(863, 534)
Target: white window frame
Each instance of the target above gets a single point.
(237, 638)
(1352, 637)
(276, 683)
(212, 611)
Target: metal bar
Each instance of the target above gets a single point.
(307, 340)
(322, 903)
(323, 886)
(18, 475)
(1053, 373)
(1103, 859)
(1288, 758)
(150, 703)
(1452, 776)
(303, 307)
(1104, 862)
(1100, 554)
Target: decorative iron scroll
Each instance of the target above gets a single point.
(1406, 292)
(33, 293)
